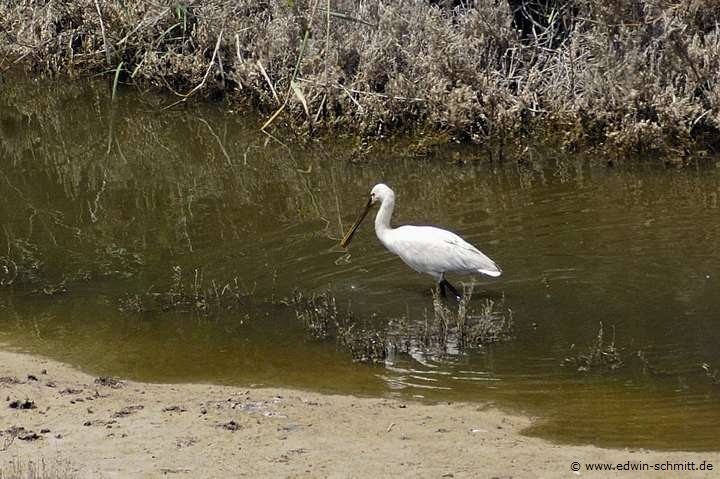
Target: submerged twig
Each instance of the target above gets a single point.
(219, 142)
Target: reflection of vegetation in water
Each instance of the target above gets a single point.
(92, 194)
(8, 271)
(319, 315)
(447, 329)
(712, 374)
(183, 295)
(89, 197)
(26, 264)
(464, 327)
(21, 264)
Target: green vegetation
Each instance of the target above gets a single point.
(625, 77)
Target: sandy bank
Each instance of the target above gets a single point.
(100, 429)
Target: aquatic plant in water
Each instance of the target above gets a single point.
(462, 327)
(599, 356)
(457, 328)
(182, 295)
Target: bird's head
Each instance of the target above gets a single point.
(379, 194)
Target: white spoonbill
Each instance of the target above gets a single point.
(425, 249)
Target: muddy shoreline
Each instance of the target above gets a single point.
(83, 426)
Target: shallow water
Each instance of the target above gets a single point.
(100, 205)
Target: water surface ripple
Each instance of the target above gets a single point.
(102, 206)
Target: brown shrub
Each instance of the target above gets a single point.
(631, 76)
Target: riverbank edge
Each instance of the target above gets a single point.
(463, 75)
(81, 426)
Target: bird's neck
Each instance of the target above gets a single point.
(382, 219)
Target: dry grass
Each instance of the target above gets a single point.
(628, 76)
(20, 469)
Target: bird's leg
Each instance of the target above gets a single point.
(444, 283)
(441, 288)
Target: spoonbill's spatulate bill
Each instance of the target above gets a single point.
(425, 249)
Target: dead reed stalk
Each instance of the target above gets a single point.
(630, 78)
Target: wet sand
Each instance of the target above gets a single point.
(91, 427)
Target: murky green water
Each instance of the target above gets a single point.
(99, 206)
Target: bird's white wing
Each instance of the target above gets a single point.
(433, 250)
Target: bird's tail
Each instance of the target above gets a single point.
(491, 272)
